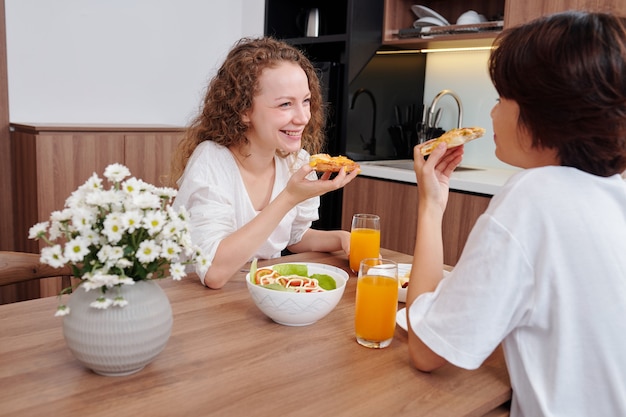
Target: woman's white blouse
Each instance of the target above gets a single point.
(213, 192)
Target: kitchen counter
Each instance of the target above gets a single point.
(465, 178)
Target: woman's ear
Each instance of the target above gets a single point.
(245, 117)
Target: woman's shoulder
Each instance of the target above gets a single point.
(208, 148)
(210, 154)
(209, 157)
(546, 186)
(552, 178)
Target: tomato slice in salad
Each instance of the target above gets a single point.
(262, 276)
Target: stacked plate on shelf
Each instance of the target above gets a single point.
(431, 24)
(427, 17)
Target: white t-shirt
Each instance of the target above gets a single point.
(213, 192)
(544, 272)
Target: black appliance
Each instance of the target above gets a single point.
(330, 74)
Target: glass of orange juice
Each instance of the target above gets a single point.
(376, 302)
(364, 239)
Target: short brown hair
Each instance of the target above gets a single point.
(230, 94)
(567, 73)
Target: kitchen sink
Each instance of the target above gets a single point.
(408, 164)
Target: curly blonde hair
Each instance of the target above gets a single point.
(230, 93)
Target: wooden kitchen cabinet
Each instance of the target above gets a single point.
(51, 161)
(398, 15)
(396, 204)
(523, 11)
(148, 155)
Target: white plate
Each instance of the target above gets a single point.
(401, 318)
(423, 11)
(403, 269)
(428, 21)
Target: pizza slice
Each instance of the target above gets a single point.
(453, 138)
(324, 162)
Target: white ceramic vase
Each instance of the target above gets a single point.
(118, 341)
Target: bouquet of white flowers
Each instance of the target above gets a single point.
(115, 237)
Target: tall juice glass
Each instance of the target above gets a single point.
(364, 239)
(376, 302)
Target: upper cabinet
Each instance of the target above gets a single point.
(398, 17)
(343, 31)
(522, 11)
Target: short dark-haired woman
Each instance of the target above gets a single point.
(544, 269)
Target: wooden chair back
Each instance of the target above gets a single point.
(18, 268)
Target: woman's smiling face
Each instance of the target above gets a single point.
(280, 109)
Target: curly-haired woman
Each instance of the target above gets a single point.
(242, 168)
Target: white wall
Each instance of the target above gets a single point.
(118, 61)
(465, 73)
(149, 61)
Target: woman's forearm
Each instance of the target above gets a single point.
(237, 248)
(322, 241)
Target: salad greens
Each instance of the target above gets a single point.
(290, 277)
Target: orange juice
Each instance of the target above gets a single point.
(376, 306)
(364, 243)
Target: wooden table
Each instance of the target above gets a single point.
(226, 358)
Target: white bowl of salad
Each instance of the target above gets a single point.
(298, 293)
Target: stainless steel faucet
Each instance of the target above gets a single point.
(431, 110)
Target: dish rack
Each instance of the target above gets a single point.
(427, 32)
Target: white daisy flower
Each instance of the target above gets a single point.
(146, 201)
(123, 263)
(113, 227)
(38, 230)
(116, 172)
(53, 256)
(133, 186)
(119, 301)
(89, 285)
(100, 279)
(92, 236)
(124, 281)
(170, 249)
(55, 231)
(76, 249)
(93, 183)
(177, 271)
(110, 255)
(62, 310)
(153, 221)
(131, 220)
(60, 216)
(166, 192)
(101, 303)
(148, 251)
(202, 264)
(82, 219)
(183, 214)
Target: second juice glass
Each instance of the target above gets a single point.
(376, 302)
(364, 239)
